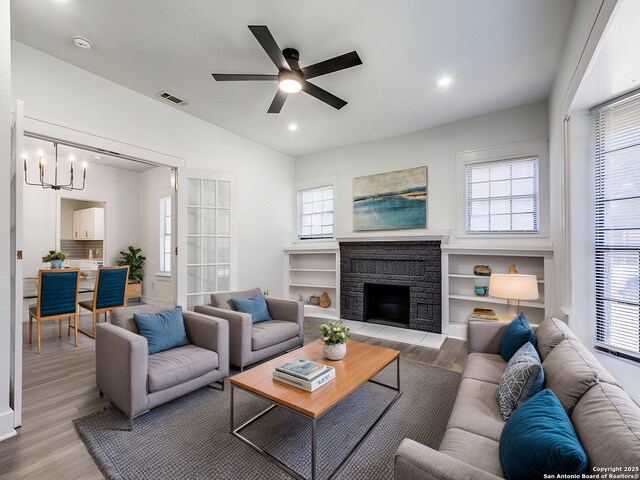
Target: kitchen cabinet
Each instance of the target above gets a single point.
(88, 224)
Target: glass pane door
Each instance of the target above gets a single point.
(208, 239)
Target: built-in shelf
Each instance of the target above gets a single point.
(333, 270)
(330, 313)
(310, 271)
(464, 275)
(458, 281)
(500, 301)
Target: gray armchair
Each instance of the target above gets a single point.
(250, 343)
(136, 382)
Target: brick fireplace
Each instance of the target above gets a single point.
(392, 283)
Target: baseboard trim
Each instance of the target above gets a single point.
(6, 424)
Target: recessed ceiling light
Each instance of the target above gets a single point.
(82, 42)
(97, 157)
(444, 81)
(293, 127)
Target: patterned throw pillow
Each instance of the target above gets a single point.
(521, 380)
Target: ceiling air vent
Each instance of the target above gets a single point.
(171, 98)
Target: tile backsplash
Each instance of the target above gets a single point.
(80, 248)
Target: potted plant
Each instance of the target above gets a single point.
(132, 257)
(335, 335)
(55, 258)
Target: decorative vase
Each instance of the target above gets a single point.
(56, 264)
(335, 352)
(325, 301)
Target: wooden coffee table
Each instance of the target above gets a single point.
(359, 366)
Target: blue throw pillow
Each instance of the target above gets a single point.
(516, 335)
(256, 306)
(539, 439)
(163, 331)
(521, 380)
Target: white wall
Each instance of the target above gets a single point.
(77, 99)
(436, 148)
(153, 184)
(118, 188)
(6, 414)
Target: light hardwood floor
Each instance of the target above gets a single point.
(59, 385)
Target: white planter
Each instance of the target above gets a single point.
(335, 352)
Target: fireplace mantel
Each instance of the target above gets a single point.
(441, 236)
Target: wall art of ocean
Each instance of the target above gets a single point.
(406, 209)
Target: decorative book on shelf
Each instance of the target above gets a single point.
(480, 313)
(304, 374)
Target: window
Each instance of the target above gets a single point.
(165, 234)
(315, 213)
(502, 196)
(617, 226)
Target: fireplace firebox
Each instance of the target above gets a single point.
(387, 304)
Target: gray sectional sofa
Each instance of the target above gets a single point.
(605, 418)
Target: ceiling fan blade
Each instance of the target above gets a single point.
(264, 37)
(334, 64)
(232, 77)
(278, 102)
(323, 95)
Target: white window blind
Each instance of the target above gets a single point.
(617, 227)
(315, 213)
(502, 196)
(165, 234)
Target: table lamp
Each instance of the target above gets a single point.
(513, 286)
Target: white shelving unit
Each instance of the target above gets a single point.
(312, 270)
(458, 280)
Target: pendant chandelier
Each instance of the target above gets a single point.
(55, 185)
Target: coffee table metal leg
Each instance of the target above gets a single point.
(313, 449)
(398, 373)
(231, 406)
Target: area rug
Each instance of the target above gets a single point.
(189, 438)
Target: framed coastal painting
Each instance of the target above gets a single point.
(392, 200)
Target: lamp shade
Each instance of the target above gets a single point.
(513, 286)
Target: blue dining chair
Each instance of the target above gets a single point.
(57, 300)
(108, 293)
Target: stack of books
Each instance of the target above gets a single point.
(304, 374)
(483, 314)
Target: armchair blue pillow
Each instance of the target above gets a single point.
(515, 336)
(256, 306)
(539, 439)
(163, 331)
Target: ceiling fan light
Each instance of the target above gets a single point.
(290, 85)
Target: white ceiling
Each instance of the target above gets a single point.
(499, 53)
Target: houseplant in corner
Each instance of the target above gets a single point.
(335, 336)
(135, 261)
(55, 258)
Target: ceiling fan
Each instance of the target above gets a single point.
(291, 78)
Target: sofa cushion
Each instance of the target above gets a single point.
(222, 300)
(176, 366)
(570, 370)
(550, 333)
(607, 422)
(272, 332)
(476, 450)
(486, 367)
(255, 306)
(516, 335)
(123, 317)
(163, 330)
(539, 439)
(476, 409)
(521, 380)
